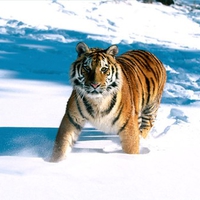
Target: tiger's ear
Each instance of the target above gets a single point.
(112, 50)
(81, 48)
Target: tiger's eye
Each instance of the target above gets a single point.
(104, 69)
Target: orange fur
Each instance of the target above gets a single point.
(118, 95)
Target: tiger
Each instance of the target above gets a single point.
(116, 94)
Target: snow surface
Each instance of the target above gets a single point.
(37, 46)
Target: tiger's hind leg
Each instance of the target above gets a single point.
(147, 119)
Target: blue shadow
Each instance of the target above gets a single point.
(24, 141)
(34, 58)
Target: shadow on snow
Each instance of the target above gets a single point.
(47, 55)
(24, 141)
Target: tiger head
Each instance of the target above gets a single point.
(95, 72)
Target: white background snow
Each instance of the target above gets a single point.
(37, 46)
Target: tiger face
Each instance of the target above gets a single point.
(95, 72)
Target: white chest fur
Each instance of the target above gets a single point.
(103, 113)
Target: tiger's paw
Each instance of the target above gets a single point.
(56, 158)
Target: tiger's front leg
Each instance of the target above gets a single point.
(66, 137)
(129, 136)
(68, 132)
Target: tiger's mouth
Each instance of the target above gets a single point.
(97, 90)
(91, 91)
(94, 90)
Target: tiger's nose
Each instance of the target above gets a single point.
(95, 85)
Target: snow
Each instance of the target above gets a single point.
(37, 46)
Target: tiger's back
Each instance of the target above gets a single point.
(116, 94)
(146, 77)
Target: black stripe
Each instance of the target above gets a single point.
(145, 60)
(152, 60)
(88, 107)
(75, 68)
(108, 110)
(146, 117)
(141, 58)
(77, 82)
(73, 72)
(118, 116)
(140, 73)
(148, 89)
(76, 125)
(153, 86)
(133, 61)
(144, 126)
(158, 65)
(126, 61)
(79, 70)
(111, 86)
(123, 127)
(117, 74)
(112, 71)
(79, 109)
